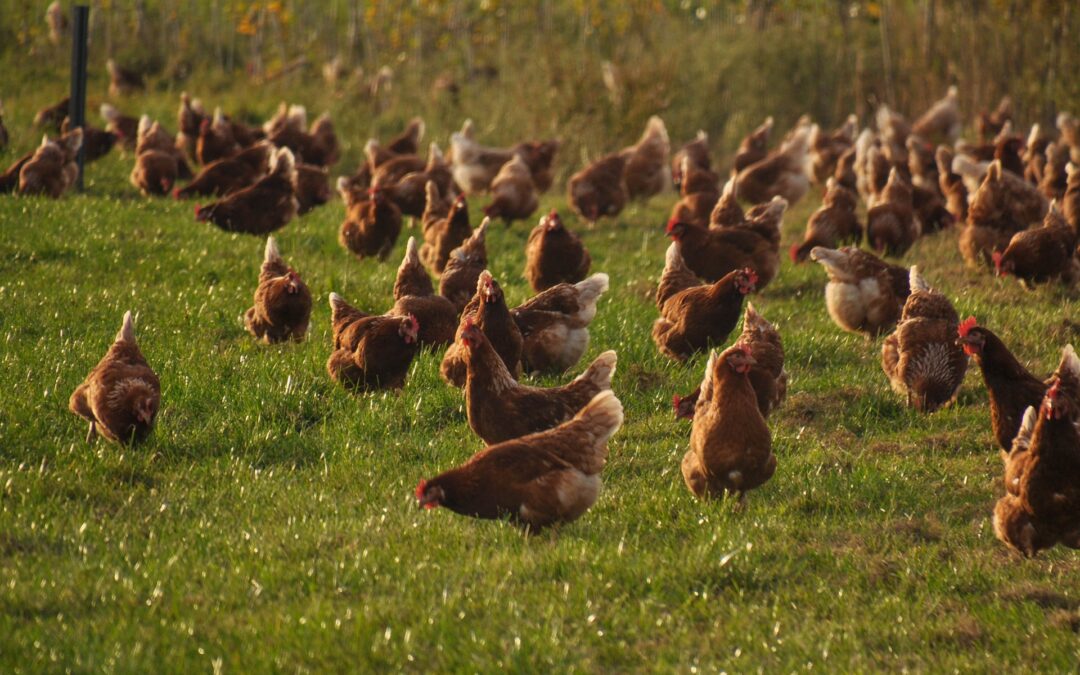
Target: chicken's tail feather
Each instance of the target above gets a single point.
(435, 154)
(108, 112)
(127, 329)
(592, 288)
(754, 320)
(656, 128)
(480, 232)
(916, 281)
(589, 292)
(729, 187)
(343, 187)
(1070, 363)
(600, 419)
(411, 256)
(283, 163)
(297, 115)
(337, 305)
(673, 259)
(601, 371)
(1033, 135)
(968, 168)
(1027, 427)
(827, 257)
(144, 125)
(272, 254)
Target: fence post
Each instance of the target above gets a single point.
(77, 106)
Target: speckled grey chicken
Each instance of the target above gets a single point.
(921, 358)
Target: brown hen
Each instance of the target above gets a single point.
(121, 395)
(264, 207)
(458, 280)
(730, 444)
(538, 480)
(696, 316)
(921, 358)
(414, 294)
(370, 351)
(487, 310)
(282, 308)
(554, 325)
(865, 294)
(554, 254)
(500, 409)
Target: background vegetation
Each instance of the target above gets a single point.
(721, 66)
(269, 523)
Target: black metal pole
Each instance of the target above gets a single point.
(77, 106)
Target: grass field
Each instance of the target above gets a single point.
(269, 523)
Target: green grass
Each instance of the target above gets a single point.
(269, 523)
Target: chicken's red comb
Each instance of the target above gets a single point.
(793, 252)
(671, 225)
(967, 325)
(176, 193)
(751, 275)
(675, 401)
(414, 322)
(198, 207)
(996, 256)
(553, 214)
(745, 348)
(420, 487)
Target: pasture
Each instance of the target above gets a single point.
(269, 523)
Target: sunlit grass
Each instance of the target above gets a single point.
(269, 522)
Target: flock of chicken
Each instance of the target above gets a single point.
(547, 446)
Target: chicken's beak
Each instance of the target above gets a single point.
(429, 499)
(969, 344)
(294, 282)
